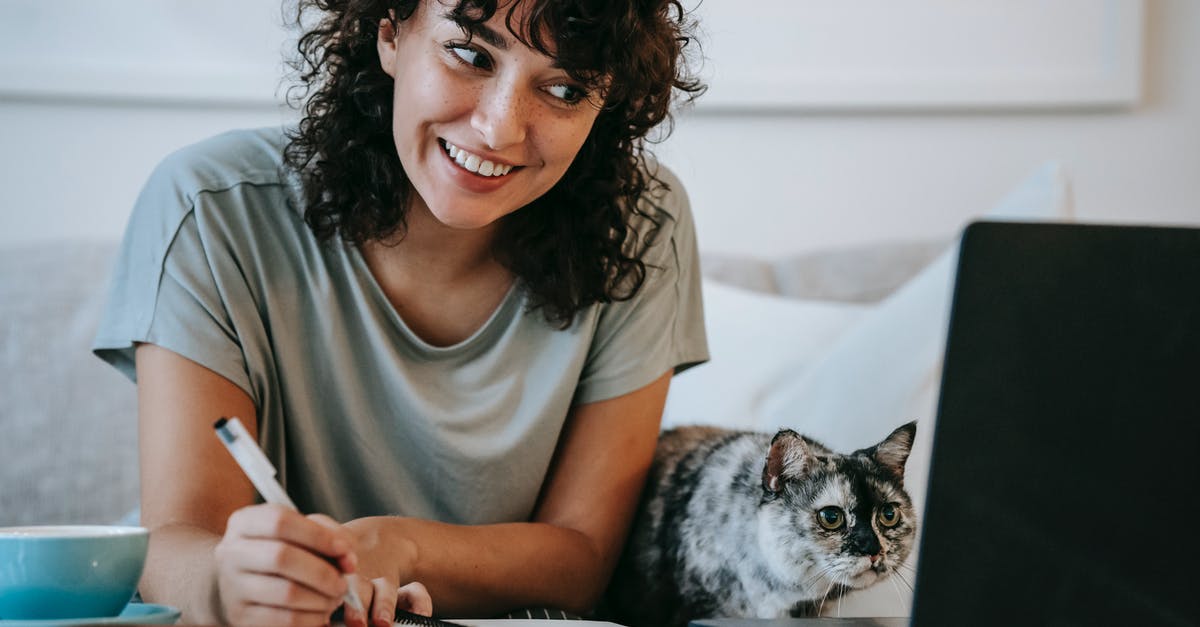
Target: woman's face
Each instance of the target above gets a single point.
(484, 128)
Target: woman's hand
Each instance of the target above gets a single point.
(276, 566)
(387, 560)
(382, 598)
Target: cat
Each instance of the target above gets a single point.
(743, 524)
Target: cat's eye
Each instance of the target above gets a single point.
(831, 518)
(889, 516)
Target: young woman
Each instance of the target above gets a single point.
(447, 305)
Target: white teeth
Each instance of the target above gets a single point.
(475, 163)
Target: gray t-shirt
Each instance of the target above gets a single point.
(360, 416)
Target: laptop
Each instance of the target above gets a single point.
(1063, 484)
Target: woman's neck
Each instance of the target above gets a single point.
(443, 282)
(433, 251)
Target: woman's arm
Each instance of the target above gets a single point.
(263, 565)
(564, 557)
(191, 488)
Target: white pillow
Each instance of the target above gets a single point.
(887, 370)
(757, 342)
(866, 374)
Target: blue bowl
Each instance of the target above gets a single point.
(78, 571)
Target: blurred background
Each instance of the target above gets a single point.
(828, 123)
(841, 147)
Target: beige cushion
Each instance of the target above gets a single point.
(865, 273)
(69, 445)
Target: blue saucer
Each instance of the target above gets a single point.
(134, 614)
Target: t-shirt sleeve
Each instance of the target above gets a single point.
(165, 288)
(662, 327)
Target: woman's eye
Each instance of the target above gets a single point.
(471, 57)
(831, 517)
(567, 93)
(889, 516)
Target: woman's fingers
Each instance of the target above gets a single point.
(254, 614)
(413, 597)
(257, 599)
(383, 604)
(269, 557)
(281, 523)
(347, 561)
(382, 598)
(277, 566)
(366, 591)
(283, 593)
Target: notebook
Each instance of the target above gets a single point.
(1064, 468)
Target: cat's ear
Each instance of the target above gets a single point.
(788, 455)
(892, 452)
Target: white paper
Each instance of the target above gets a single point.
(526, 622)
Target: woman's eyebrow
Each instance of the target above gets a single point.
(489, 35)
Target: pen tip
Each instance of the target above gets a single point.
(220, 423)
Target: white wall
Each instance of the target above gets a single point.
(773, 184)
(764, 184)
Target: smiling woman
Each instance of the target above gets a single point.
(478, 98)
(554, 88)
(451, 298)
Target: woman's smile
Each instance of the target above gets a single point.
(474, 109)
(471, 172)
(474, 163)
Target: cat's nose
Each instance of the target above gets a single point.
(875, 558)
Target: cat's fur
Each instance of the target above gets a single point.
(728, 526)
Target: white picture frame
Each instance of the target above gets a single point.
(920, 54)
(791, 55)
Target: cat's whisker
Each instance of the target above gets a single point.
(904, 581)
(821, 572)
(839, 612)
(899, 595)
(821, 607)
(832, 576)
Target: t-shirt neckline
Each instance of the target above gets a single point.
(495, 320)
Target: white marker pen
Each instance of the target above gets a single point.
(262, 474)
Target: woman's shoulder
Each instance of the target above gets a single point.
(235, 157)
(211, 168)
(666, 194)
(204, 187)
(666, 209)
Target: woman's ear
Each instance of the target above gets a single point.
(385, 42)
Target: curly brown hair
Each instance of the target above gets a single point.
(355, 186)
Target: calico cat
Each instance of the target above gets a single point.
(743, 524)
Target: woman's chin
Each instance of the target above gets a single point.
(466, 223)
(462, 216)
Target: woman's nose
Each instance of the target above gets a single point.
(501, 115)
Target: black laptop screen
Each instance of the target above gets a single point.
(1063, 485)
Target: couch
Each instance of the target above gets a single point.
(842, 345)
